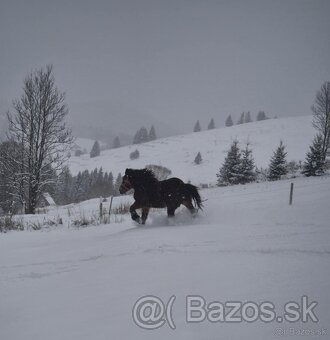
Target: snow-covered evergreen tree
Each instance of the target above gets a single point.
(198, 158)
(197, 127)
(241, 119)
(211, 124)
(99, 185)
(64, 190)
(110, 185)
(152, 134)
(261, 116)
(96, 150)
(116, 143)
(315, 164)
(230, 172)
(141, 136)
(137, 137)
(247, 167)
(229, 121)
(117, 184)
(278, 164)
(144, 135)
(85, 185)
(78, 189)
(247, 117)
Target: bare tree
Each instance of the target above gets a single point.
(38, 126)
(321, 119)
(11, 185)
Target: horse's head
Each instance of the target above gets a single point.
(126, 183)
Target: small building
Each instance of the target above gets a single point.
(46, 200)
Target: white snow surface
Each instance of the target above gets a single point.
(178, 153)
(247, 244)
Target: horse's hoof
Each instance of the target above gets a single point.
(138, 220)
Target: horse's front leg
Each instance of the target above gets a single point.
(145, 212)
(135, 216)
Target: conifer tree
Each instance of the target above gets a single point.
(247, 117)
(117, 184)
(152, 134)
(247, 167)
(78, 190)
(141, 136)
(110, 185)
(241, 119)
(211, 124)
(229, 121)
(278, 164)
(96, 150)
(261, 116)
(116, 143)
(315, 164)
(230, 171)
(198, 158)
(197, 127)
(64, 188)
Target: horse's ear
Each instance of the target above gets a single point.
(126, 171)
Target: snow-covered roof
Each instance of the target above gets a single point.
(48, 198)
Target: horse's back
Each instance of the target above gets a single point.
(171, 182)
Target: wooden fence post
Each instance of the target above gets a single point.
(110, 207)
(101, 207)
(291, 194)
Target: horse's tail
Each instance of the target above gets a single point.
(191, 191)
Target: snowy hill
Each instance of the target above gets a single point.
(247, 245)
(178, 153)
(85, 144)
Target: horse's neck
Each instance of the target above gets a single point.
(152, 191)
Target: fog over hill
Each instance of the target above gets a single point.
(99, 120)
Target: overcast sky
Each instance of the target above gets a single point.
(175, 60)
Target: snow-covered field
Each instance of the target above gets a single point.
(248, 244)
(178, 152)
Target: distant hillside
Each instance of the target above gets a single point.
(178, 153)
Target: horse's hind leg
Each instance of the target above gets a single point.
(145, 212)
(170, 211)
(188, 204)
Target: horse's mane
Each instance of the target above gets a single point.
(145, 177)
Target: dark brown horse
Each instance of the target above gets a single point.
(151, 193)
